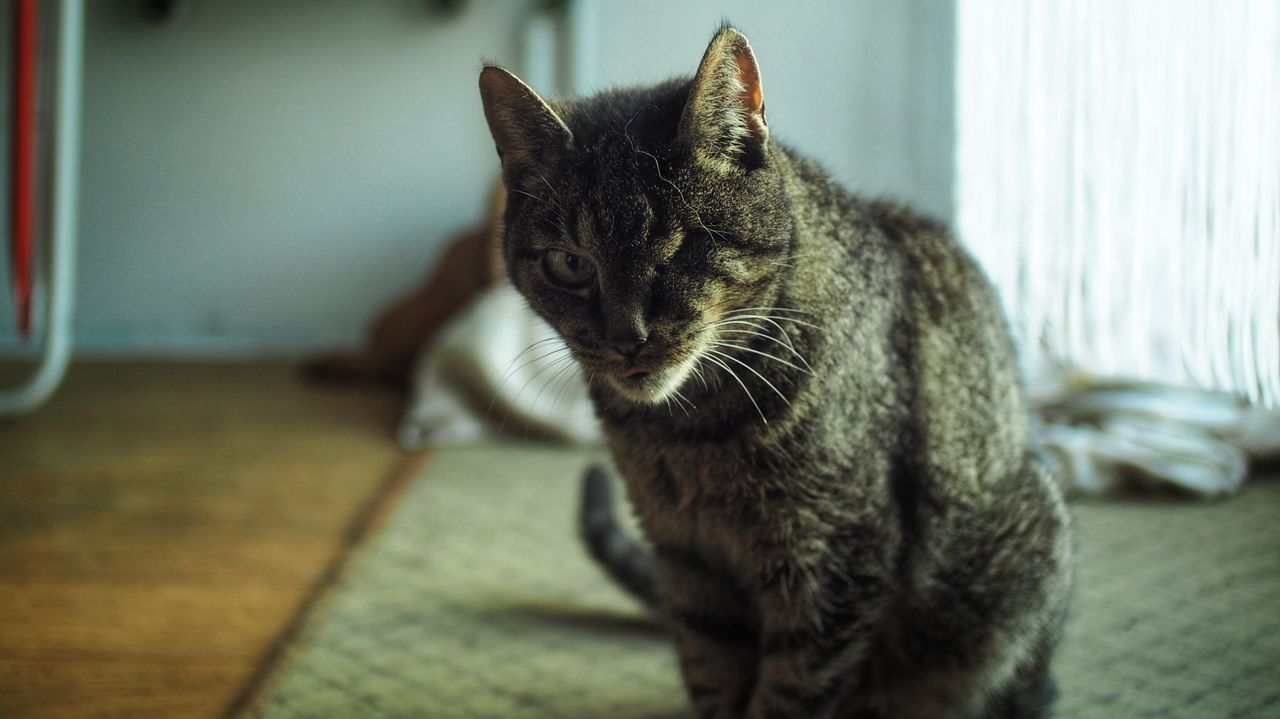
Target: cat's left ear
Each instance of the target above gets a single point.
(527, 131)
(724, 117)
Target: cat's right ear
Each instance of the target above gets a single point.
(527, 131)
(723, 120)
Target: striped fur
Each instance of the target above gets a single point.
(813, 400)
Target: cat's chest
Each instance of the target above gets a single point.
(706, 501)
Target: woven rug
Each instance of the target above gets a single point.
(475, 600)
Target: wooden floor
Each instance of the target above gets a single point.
(161, 525)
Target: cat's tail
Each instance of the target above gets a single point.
(624, 561)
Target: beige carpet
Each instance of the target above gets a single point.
(476, 601)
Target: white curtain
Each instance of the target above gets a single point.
(1118, 175)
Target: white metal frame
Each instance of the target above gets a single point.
(62, 252)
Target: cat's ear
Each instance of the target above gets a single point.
(527, 131)
(724, 117)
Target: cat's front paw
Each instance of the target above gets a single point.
(790, 703)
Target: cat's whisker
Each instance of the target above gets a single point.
(556, 380)
(610, 400)
(783, 337)
(798, 256)
(520, 392)
(529, 195)
(675, 399)
(557, 362)
(555, 223)
(550, 381)
(785, 345)
(696, 368)
(684, 402)
(563, 387)
(511, 369)
(719, 363)
(771, 309)
(772, 318)
(752, 370)
(731, 300)
(679, 404)
(555, 202)
(717, 305)
(734, 320)
(765, 314)
(775, 358)
(714, 378)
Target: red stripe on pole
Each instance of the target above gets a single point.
(24, 156)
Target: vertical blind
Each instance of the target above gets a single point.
(1118, 175)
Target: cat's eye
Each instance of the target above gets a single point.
(567, 270)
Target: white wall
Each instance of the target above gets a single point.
(264, 175)
(863, 86)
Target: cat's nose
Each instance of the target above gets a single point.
(626, 331)
(629, 344)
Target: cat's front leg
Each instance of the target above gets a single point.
(816, 635)
(715, 638)
(717, 672)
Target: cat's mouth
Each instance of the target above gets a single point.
(649, 383)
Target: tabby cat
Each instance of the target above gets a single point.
(813, 400)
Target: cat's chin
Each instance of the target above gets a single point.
(652, 387)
